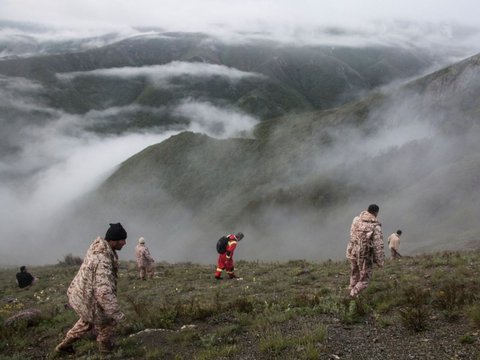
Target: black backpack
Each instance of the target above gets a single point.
(222, 245)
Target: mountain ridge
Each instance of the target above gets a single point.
(321, 76)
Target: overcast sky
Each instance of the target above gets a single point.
(186, 13)
(428, 24)
(249, 15)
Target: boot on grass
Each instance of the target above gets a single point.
(105, 347)
(65, 347)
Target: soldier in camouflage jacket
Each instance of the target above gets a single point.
(93, 292)
(144, 260)
(365, 248)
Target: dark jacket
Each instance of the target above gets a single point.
(24, 279)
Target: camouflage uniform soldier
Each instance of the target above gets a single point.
(144, 260)
(394, 243)
(365, 248)
(93, 292)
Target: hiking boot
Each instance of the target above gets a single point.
(105, 347)
(65, 349)
(218, 278)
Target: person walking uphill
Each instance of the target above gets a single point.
(225, 259)
(93, 292)
(144, 260)
(394, 244)
(365, 248)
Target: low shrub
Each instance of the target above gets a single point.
(473, 312)
(414, 318)
(467, 339)
(352, 311)
(71, 260)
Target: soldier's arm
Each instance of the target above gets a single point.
(105, 289)
(148, 255)
(378, 245)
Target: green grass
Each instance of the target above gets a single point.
(286, 313)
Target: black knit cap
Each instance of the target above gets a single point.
(116, 232)
(373, 209)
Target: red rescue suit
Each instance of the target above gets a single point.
(225, 261)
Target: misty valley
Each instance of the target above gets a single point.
(182, 136)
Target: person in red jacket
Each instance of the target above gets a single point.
(225, 260)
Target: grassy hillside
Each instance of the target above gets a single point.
(423, 307)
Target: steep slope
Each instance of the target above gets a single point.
(413, 150)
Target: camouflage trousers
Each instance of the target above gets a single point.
(81, 327)
(359, 276)
(144, 271)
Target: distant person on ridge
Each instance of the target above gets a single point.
(144, 260)
(25, 279)
(394, 244)
(365, 248)
(225, 257)
(93, 292)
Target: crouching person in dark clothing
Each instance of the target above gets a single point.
(25, 279)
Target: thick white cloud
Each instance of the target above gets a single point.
(214, 121)
(162, 73)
